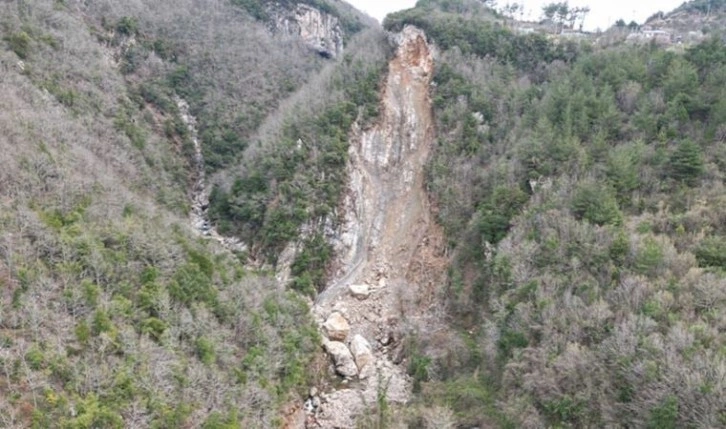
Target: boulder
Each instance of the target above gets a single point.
(342, 358)
(336, 327)
(363, 354)
(360, 291)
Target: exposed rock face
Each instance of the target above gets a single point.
(321, 31)
(388, 239)
(387, 211)
(343, 359)
(336, 327)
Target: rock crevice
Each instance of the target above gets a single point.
(199, 217)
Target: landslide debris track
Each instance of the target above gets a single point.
(390, 250)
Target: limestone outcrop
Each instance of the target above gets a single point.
(319, 30)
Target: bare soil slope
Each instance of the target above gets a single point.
(389, 241)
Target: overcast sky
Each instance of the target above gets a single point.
(603, 12)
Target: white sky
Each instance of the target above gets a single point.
(603, 12)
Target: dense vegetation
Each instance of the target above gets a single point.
(702, 6)
(581, 190)
(112, 312)
(207, 70)
(583, 195)
(294, 176)
(209, 54)
(472, 29)
(699, 16)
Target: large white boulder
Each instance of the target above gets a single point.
(336, 327)
(360, 291)
(342, 358)
(363, 355)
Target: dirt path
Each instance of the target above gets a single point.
(389, 241)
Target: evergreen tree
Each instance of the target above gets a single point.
(686, 163)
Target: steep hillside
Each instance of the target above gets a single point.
(113, 311)
(389, 256)
(582, 193)
(292, 177)
(707, 16)
(252, 213)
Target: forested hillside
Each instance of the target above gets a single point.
(293, 176)
(707, 16)
(113, 312)
(582, 191)
(572, 198)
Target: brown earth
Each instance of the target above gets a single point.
(389, 240)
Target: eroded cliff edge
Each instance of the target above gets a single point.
(390, 251)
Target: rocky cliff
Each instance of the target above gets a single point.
(390, 250)
(319, 30)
